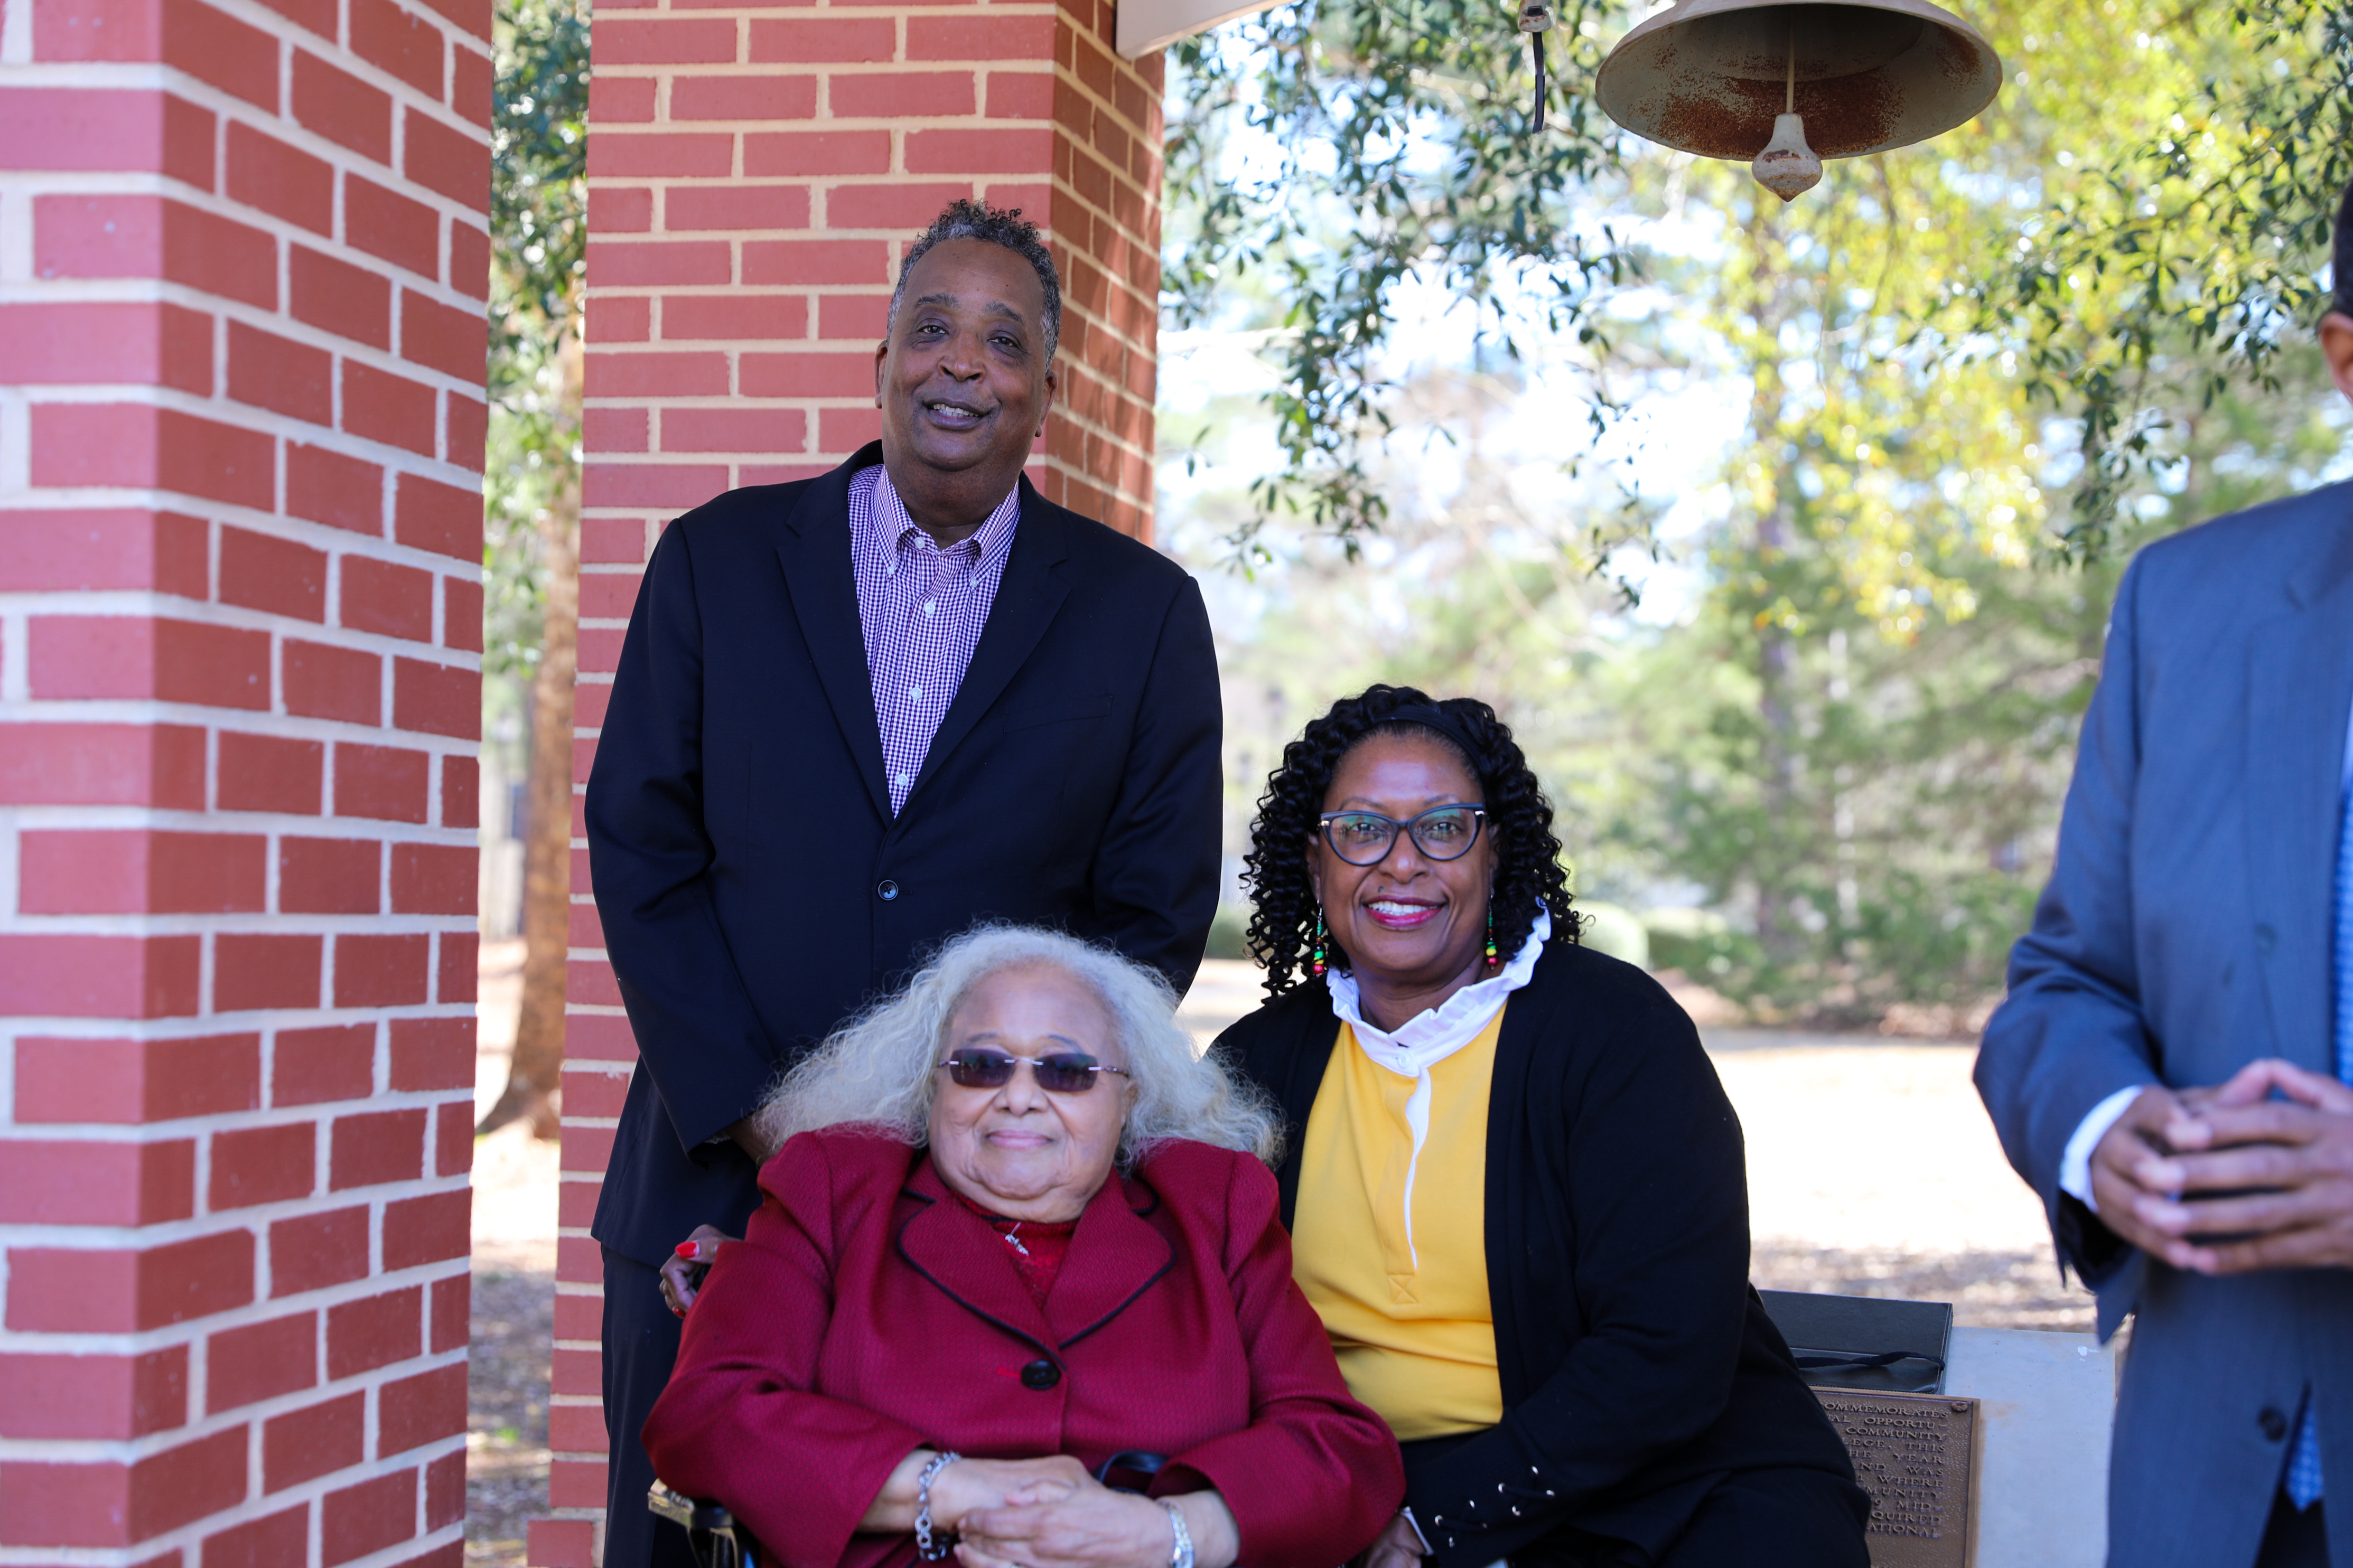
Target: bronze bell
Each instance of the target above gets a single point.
(1789, 86)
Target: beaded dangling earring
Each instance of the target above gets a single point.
(1493, 962)
(1315, 958)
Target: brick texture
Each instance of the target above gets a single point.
(756, 171)
(241, 379)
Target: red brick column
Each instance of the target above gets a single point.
(756, 172)
(243, 258)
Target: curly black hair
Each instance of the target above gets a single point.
(1528, 875)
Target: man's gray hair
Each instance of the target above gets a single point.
(967, 219)
(880, 1070)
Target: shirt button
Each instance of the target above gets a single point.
(1040, 1374)
(929, 606)
(914, 694)
(904, 780)
(886, 889)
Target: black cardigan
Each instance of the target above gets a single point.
(1638, 1366)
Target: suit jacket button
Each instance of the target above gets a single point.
(2274, 1423)
(886, 890)
(1040, 1374)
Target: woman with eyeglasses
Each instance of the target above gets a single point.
(1516, 1189)
(1019, 1234)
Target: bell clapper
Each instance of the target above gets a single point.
(1787, 167)
(1536, 21)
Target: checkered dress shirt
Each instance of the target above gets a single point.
(922, 609)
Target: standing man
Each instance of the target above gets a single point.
(2168, 1071)
(853, 716)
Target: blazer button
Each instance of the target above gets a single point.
(2274, 1423)
(1040, 1374)
(886, 890)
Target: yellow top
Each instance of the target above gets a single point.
(1408, 1314)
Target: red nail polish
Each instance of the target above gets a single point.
(686, 1248)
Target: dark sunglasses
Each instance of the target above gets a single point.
(1063, 1072)
(1365, 838)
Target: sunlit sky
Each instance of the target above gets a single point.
(1669, 446)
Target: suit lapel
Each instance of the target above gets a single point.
(818, 574)
(2300, 674)
(956, 1250)
(1115, 1255)
(1027, 597)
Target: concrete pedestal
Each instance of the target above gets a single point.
(2046, 1402)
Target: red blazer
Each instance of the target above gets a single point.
(867, 1314)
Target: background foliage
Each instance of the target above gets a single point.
(1965, 379)
(539, 226)
(531, 487)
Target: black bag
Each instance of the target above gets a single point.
(1870, 1343)
(718, 1541)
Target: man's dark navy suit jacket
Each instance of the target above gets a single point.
(754, 886)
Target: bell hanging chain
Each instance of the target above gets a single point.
(1536, 21)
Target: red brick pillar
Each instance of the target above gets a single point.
(756, 173)
(243, 257)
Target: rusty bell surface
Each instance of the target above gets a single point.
(1788, 86)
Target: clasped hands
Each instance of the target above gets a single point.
(1051, 1513)
(2228, 1180)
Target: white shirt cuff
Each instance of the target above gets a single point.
(2075, 1165)
(1406, 1514)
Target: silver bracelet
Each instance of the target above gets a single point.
(927, 1547)
(1181, 1554)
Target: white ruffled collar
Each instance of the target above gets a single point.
(1436, 1033)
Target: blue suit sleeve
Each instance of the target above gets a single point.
(2071, 1032)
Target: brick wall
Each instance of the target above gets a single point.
(243, 257)
(756, 175)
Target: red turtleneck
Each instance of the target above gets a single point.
(1035, 1247)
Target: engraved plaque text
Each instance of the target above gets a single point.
(1913, 1454)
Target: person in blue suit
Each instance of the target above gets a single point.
(2171, 1070)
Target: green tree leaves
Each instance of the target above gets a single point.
(1976, 373)
(539, 195)
(2136, 225)
(2179, 257)
(1341, 147)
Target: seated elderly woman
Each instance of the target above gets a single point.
(1515, 1187)
(1018, 1229)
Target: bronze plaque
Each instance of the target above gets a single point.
(1914, 1454)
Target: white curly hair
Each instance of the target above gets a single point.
(879, 1069)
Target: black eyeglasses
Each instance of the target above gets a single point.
(1062, 1072)
(1365, 838)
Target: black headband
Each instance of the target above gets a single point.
(1430, 716)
